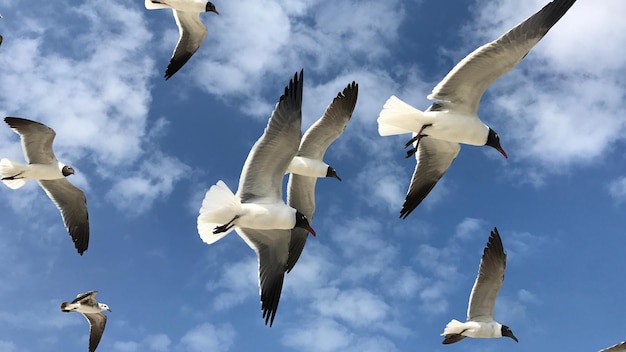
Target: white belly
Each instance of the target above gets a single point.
(307, 167)
(267, 216)
(454, 127)
(43, 172)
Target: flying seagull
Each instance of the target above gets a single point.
(307, 166)
(192, 31)
(86, 304)
(257, 212)
(620, 347)
(452, 118)
(44, 167)
(480, 322)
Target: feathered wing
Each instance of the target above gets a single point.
(272, 249)
(88, 298)
(97, 322)
(265, 167)
(434, 157)
(489, 280)
(620, 347)
(192, 33)
(36, 139)
(465, 84)
(331, 125)
(72, 204)
(301, 196)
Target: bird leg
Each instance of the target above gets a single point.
(8, 178)
(225, 227)
(415, 139)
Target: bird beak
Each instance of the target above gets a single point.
(503, 152)
(337, 177)
(513, 337)
(109, 309)
(217, 13)
(310, 229)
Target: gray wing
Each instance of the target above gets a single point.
(72, 204)
(300, 196)
(36, 139)
(263, 172)
(97, 322)
(192, 33)
(331, 125)
(434, 157)
(87, 298)
(489, 280)
(465, 84)
(620, 347)
(272, 249)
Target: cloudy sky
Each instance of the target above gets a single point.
(146, 150)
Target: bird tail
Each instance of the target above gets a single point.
(150, 5)
(10, 171)
(452, 332)
(219, 207)
(66, 307)
(398, 117)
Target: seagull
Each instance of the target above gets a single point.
(480, 322)
(307, 166)
(192, 31)
(257, 211)
(51, 175)
(620, 347)
(86, 304)
(452, 118)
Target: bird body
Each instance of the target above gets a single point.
(453, 117)
(86, 304)
(398, 117)
(43, 166)
(480, 320)
(191, 29)
(304, 166)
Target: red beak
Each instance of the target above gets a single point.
(503, 153)
(310, 229)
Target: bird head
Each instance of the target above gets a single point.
(303, 222)
(332, 173)
(507, 332)
(210, 7)
(493, 140)
(104, 307)
(67, 170)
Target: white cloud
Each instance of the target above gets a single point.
(7, 346)
(617, 189)
(209, 337)
(468, 227)
(357, 307)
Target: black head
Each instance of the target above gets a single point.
(332, 173)
(507, 332)
(67, 170)
(210, 7)
(303, 222)
(493, 140)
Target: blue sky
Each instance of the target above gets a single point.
(146, 150)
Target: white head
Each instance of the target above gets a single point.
(104, 307)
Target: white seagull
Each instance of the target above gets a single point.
(192, 31)
(307, 166)
(452, 118)
(86, 304)
(480, 322)
(258, 211)
(620, 347)
(44, 167)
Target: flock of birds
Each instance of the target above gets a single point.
(277, 230)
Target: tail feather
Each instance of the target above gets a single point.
(398, 117)
(452, 332)
(219, 207)
(151, 5)
(8, 169)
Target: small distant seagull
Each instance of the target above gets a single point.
(44, 167)
(620, 347)
(452, 118)
(257, 212)
(86, 304)
(480, 322)
(191, 29)
(307, 166)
